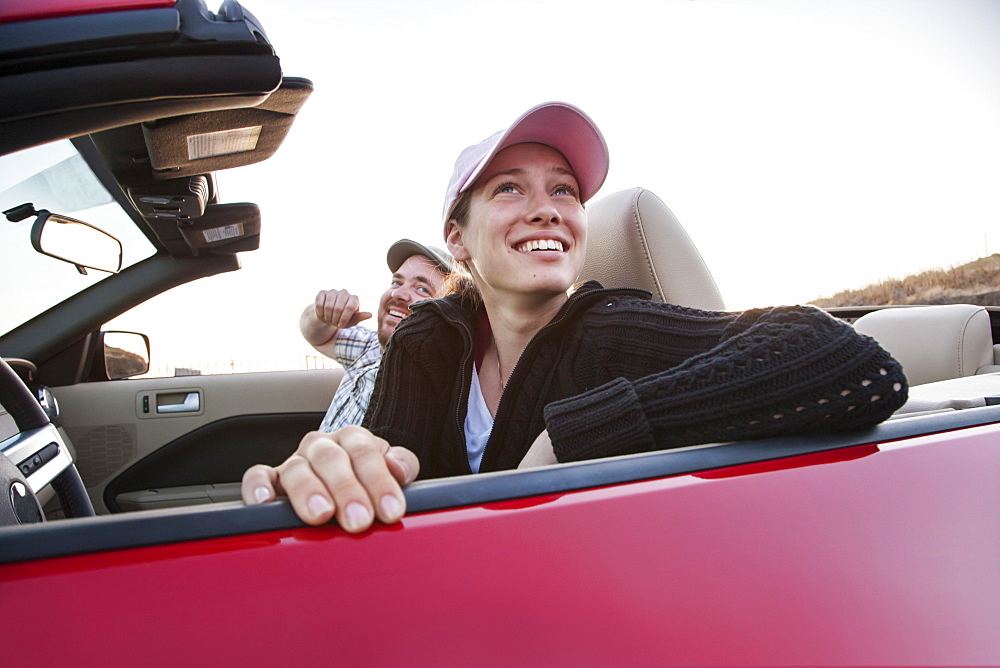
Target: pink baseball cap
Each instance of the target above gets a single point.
(556, 124)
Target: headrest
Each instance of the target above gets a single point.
(634, 241)
(933, 343)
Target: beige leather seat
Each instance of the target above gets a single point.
(633, 240)
(934, 343)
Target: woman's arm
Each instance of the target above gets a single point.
(412, 392)
(774, 371)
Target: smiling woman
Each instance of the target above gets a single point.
(536, 260)
(544, 374)
(700, 555)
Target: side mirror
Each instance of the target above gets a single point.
(76, 242)
(126, 354)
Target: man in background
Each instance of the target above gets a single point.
(330, 325)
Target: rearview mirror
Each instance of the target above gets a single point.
(76, 242)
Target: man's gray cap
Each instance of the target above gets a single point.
(406, 248)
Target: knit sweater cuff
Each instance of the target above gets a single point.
(603, 422)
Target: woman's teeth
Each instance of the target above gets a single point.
(540, 244)
(398, 314)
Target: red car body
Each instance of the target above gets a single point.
(885, 553)
(32, 10)
(875, 547)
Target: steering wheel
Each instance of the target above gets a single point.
(35, 457)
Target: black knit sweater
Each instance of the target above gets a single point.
(615, 373)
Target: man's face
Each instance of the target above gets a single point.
(417, 278)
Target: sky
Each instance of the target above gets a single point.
(806, 146)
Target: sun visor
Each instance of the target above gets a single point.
(94, 70)
(225, 228)
(207, 142)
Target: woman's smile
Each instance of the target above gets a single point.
(540, 245)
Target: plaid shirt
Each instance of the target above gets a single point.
(359, 352)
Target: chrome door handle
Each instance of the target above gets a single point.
(191, 404)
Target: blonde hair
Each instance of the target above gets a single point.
(460, 280)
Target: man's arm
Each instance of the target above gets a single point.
(332, 311)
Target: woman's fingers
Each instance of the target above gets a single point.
(331, 482)
(403, 465)
(351, 473)
(260, 485)
(367, 454)
(309, 497)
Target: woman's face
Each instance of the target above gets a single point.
(526, 230)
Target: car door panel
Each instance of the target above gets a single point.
(189, 430)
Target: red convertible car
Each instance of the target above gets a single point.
(120, 494)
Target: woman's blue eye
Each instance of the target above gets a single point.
(506, 188)
(564, 190)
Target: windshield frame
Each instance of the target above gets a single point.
(43, 282)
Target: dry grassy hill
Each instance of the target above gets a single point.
(977, 282)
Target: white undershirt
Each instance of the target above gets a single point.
(478, 424)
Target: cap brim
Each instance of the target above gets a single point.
(406, 248)
(561, 126)
(566, 129)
